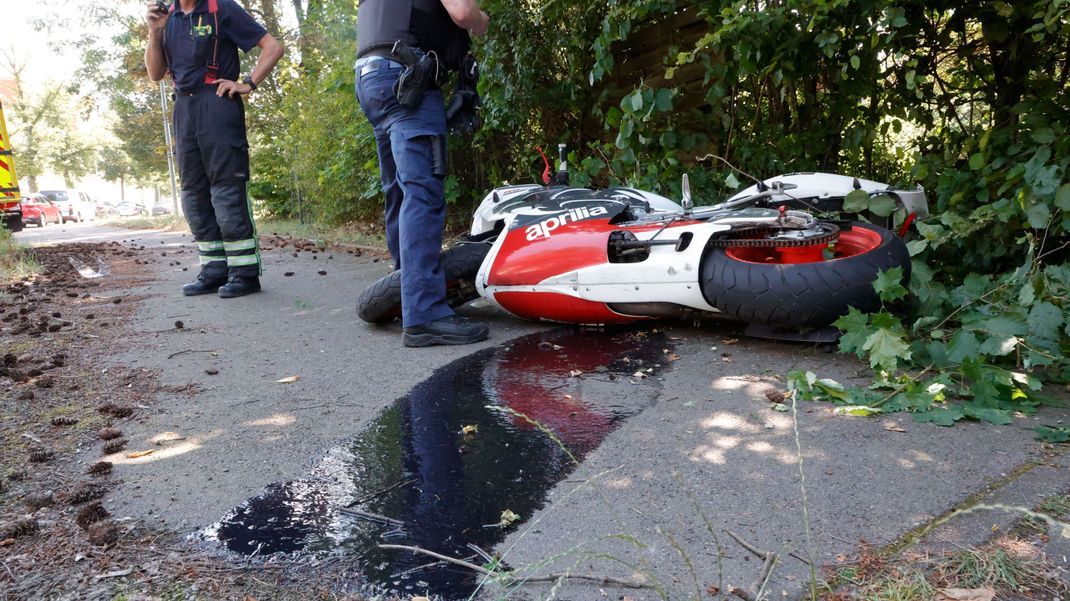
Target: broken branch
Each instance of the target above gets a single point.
(604, 580)
(360, 513)
(173, 355)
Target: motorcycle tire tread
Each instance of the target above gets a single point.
(380, 303)
(805, 295)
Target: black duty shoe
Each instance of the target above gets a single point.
(239, 285)
(203, 285)
(448, 330)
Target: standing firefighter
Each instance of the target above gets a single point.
(197, 41)
(405, 50)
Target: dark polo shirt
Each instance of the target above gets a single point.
(190, 41)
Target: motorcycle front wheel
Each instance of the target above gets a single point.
(381, 302)
(757, 285)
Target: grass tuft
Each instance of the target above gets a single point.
(15, 262)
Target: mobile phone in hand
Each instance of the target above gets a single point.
(161, 7)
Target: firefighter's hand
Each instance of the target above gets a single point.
(230, 88)
(157, 20)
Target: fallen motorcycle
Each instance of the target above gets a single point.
(618, 255)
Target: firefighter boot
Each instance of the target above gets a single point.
(239, 285)
(204, 285)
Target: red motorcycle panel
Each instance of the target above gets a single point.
(553, 306)
(550, 247)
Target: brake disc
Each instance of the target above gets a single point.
(774, 237)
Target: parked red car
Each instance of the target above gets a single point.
(39, 210)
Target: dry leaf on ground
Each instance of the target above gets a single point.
(893, 427)
(966, 594)
(140, 454)
(289, 380)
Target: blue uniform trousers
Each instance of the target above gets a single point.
(213, 161)
(415, 197)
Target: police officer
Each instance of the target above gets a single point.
(197, 41)
(412, 149)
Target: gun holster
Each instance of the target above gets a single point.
(421, 70)
(462, 112)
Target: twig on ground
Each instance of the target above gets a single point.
(116, 574)
(486, 556)
(9, 572)
(379, 493)
(360, 513)
(755, 591)
(29, 436)
(605, 580)
(739, 539)
(173, 355)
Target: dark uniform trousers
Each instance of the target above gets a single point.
(213, 159)
(415, 197)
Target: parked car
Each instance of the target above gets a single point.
(39, 210)
(12, 215)
(130, 209)
(106, 209)
(160, 209)
(74, 205)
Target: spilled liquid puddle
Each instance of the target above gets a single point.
(443, 489)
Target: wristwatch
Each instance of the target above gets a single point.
(248, 80)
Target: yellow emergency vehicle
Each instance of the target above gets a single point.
(10, 199)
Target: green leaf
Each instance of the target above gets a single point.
(1000, 417)
(1062, 198)
(856, 202)
(977, 161)
(855, 328)
(916, 247)
(1044, 320)
(886, 348)
(857, 410)
(943, 416)
(663, 99)
(1052, 434)
(882, 205)
(889, 285)
(731, 181)
(1044, 135)
(1028, 295)
(963, 345)
(999, 345)
(1038, 214)
(855, 62)
(1009, 325)
(833, 389)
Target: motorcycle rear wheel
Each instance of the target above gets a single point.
(381, 302)
(751, 285)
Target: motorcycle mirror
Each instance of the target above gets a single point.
(685, 186)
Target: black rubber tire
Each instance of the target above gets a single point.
(381, 302)
(804, 294)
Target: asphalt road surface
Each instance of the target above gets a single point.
(709, 446)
